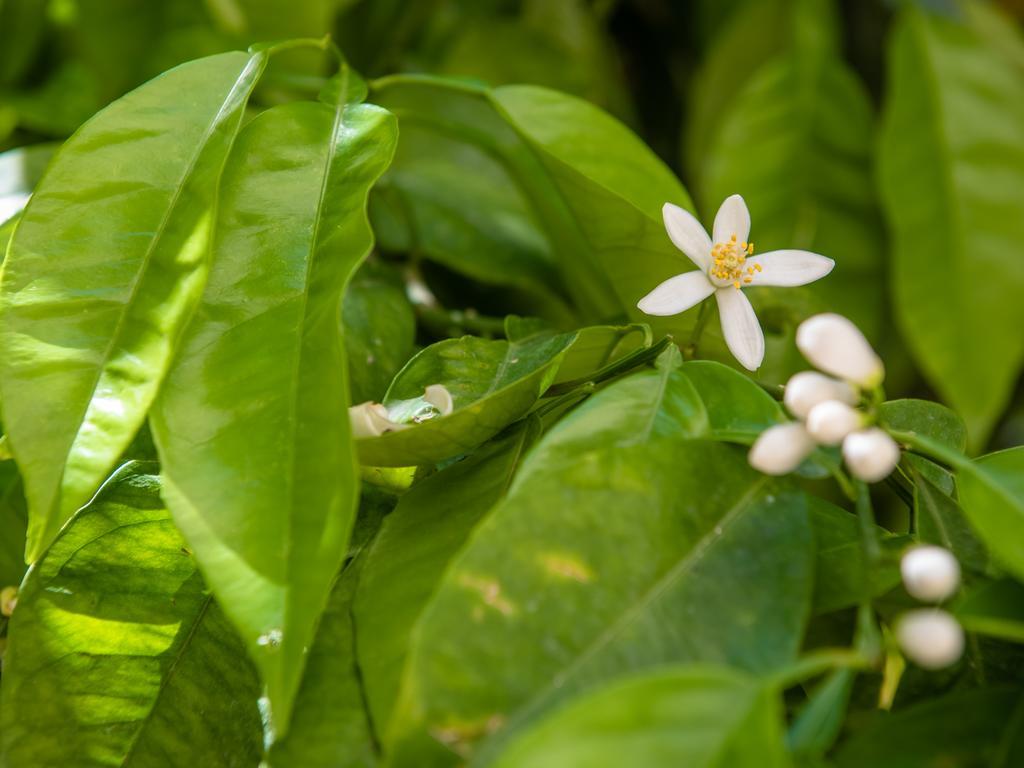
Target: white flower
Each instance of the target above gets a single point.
(373, 419)
(930, 638)
(780, 449)
(835, 345)
(8, 599)
(870, 454)
(930, 573)
(723, 267)
(830, 422)
(807, 389)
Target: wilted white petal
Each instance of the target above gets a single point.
(830, 422)
(371, 420)
(439, 397)
(780, 449)
(835, 345)
(871, 454)
(930, 638)
(806, 389)
(732, 218)
(789, 268)
(740, 327)
(930, 573)
(688, 235)
(677, 294)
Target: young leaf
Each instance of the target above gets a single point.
(259, 390)
(103, 271)
(995, 609)
(415, 544)
(713, 717)
(117, 653)
(951, 162)
(652, 557)
(492, 384)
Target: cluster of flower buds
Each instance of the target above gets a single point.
(827, 405)
(930, 637)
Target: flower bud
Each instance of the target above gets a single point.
(835, 345)
(370, 420)
(830, 422)
(806, 389)
(8, 599)
(930, 573)
(870, 454)
(930, 638)
(780, 449)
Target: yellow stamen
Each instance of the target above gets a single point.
(729, 262)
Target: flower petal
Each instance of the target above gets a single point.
(677, 294)
(789, 268)
(688, 235)
(740, 326)
(732, 218)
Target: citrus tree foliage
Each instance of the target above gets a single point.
(334, 435)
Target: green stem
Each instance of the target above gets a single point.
(866, 638)
(931, 449)
(690, 350)
(626, 363)
(817, 662)
(579, 393)
(866, 515)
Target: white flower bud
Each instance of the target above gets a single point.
(835, 345)
(871, 454)
(370, 420)
(780, 449)
(8, 599)
(806, 389)
(930, 573)
(830, 422)
(439, 397)
(930, 638)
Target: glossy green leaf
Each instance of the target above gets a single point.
(380, 333)
(995, 609)
(967, 729)
(598, 346)
(992, 495)
(652, 533)
(819, 720)
(927, 418)
(259, 390)
(941, 520)
(105, 265)
(592, 186)
(13, 523)
(712, 717)
(330, 726)
(841, 571)
(796, 143)
(738, 409)
(950, 163)
(415, 545)
(118, 655)
(492, 384)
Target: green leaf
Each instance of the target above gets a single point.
(417, 541)
(259, 390)
(492, 384)
(941, 520)
(992, 495)
(950, 163)
(13, 520)
(104, 268)
(796, 142)
(819, 721)
(738, 409)
(330, 725)
(995, 609)
(966, 728)
(928, 418)
(598, 346)
(651, 533)
(380, 333)
(117, 653)
(593, 188)
(687, 716)
(840, 577)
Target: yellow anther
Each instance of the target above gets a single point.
(736, 284)
(757, 267)
(733, 238)
(748, 279)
